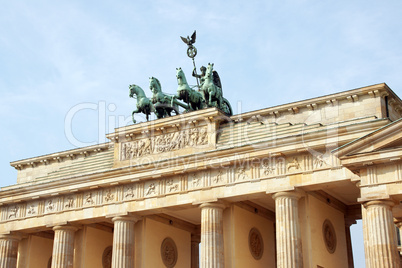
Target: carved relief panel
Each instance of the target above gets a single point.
(14, 212)
(107, 257)
(169, 252)
(51, 205)
(194, 180)
(218, 176)
(151, 188)
(172, 185)
(329, 236)
(242, 173)
(129, 191)
(109, 195)
(255, 243)
(69, 202)
(164, 143)
(90, 198)
(32, 208)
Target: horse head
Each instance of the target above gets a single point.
(209, 70)
(181, 78)
(155, 85)
(136, 90)
(132, 90)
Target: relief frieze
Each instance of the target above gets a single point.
(129, 191)
(172, 186)
(151, 189)
(218, 178)
(69, 202)
(32, 209)
(50, 205)
(89, 199)
(195, 180)
(294, 164)
(13, 212)
(239, 172)
(164, 143)
(109, 195)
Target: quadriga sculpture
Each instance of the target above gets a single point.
(211, 89)
(193, 98)
(164, 104)
(144, 105)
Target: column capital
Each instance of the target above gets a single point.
(382, 203)
(217, 204)
(12, 236)
(129, 218)
(65, 228)
(294, 194)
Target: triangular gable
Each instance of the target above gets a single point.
(383, 139)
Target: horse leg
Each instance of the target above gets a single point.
(158, 113)
(132, 115)
(210, 98)
(218, 101)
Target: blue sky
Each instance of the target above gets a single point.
(69, 63)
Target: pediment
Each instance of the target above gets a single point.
(384, 139)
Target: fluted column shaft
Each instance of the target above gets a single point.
(348, 223)
(123, 242)
(195, 250)
(381, 247)
(212, 251)
(63, 246)
(399, 225)
(9, 250)
(288, 238)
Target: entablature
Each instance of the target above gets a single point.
(247, 179)
(318, 143)
(60, 156)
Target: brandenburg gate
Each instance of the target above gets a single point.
(277, 187)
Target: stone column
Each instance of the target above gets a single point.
(398, 223)
(348, 223)
(381, 245)
(212, 251)
(195, 250)
(288, 237)
(123, 242)
(63, 246)
(9, 250)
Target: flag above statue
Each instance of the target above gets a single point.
(208, 91)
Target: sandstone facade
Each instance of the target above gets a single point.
(277, 187)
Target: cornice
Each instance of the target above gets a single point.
(369, 139)
(372, 158)
(60, 156)
(378, 90)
